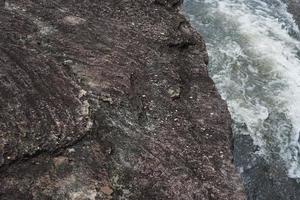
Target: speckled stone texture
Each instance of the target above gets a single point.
(109, 99)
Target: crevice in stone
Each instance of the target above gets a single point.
(169, 3)
(28, 157)
(136, 99)
(182, 45)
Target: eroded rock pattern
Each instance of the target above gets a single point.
(109, 99)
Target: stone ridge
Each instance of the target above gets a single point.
(109, 100)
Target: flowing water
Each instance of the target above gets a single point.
(254, 51)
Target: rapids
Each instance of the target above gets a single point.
(254, 51)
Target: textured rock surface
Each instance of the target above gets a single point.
(109, 100)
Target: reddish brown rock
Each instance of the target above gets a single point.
(85, 103)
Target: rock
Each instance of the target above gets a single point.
(106, 190)
(58, 161)
(86, 104)
(169, 3)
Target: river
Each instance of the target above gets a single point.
(254, 51)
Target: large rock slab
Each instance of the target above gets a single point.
(109, 100)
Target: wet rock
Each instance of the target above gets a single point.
(262, 179)
(84, 104)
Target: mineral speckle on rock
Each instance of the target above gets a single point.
(73, 20)
(85, 111)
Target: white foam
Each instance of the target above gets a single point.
(263, 29)
(273, 43)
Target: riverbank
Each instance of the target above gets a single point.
(109, 100)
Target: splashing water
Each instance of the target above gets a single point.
(254, 53)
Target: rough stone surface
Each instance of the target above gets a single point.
(109, 99)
